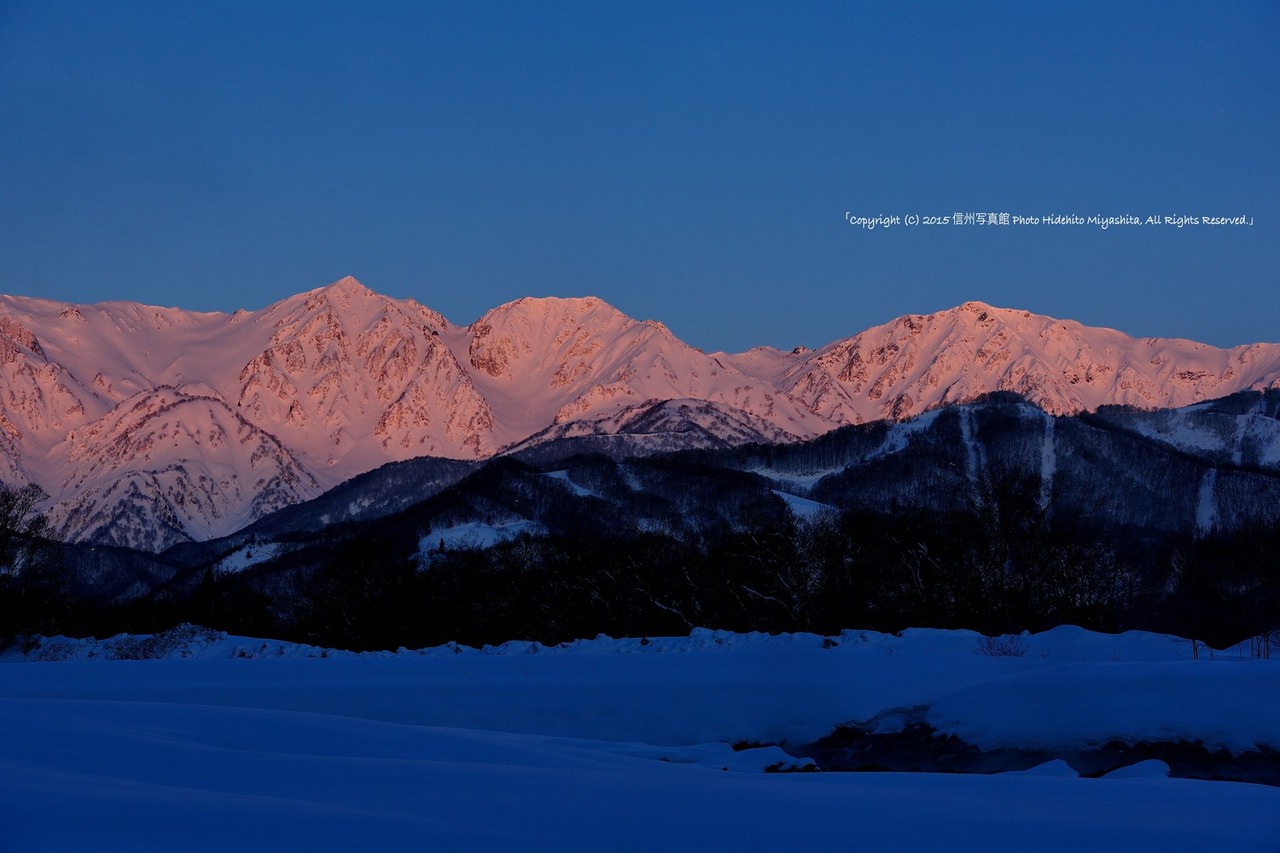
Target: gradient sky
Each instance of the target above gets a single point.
(690, 163)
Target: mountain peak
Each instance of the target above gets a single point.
(349, 285)
(352, 379)
(982, 311)
(536, 333)
(344, 289)
(531, 312)
(542, 306)
(345, 294)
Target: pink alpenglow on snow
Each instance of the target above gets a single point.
(209, 421)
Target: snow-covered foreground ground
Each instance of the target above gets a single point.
(615, 745)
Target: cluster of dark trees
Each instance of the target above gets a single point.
(1004, 569)
(35, 595)
(1011, 564)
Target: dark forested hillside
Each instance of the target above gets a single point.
(991, 515)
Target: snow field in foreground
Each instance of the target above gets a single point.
(147, 776)
(616, 744)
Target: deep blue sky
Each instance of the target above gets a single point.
(686, 162)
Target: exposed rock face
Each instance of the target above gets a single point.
(918, 362)
(150, 426)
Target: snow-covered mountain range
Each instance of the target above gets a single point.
(150, 426)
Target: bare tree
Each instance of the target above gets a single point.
(31, 590)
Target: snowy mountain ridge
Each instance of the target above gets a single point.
(151, 426)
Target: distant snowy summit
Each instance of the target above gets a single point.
(151, 426)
